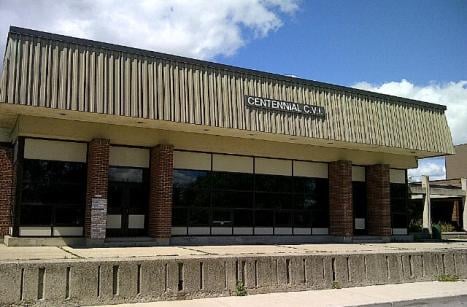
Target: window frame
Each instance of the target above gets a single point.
(322, 200)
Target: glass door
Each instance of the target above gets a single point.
(359, 208)
(128, 201)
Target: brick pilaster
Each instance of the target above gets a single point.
(340, 198)
(6, 188)
(378, 200)
(160, 198)
(96, 193)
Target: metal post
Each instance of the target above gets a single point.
(426, 204)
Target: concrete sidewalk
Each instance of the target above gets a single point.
(54, 253)
(411, 294)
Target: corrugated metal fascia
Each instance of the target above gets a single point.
(207, 64)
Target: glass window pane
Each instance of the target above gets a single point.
(314, 186)
(69, 216)
(115, 196)
(221, 218)
(273, 200)
(53, 171)
(138, 195)
(399, 221)
(273, 183)
(195, 180)
(243, 218)
(125, 174)
(232, 181)
(283, 219)
(36, 215)
(179, 217)
(232, 199)
(320, 219)
(398, 190)
(359, 199)
(60, 188)
(191, 197)
(302, 219)
(199, 217)
(398, 205)
(264, 218)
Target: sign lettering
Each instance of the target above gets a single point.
(284, 106)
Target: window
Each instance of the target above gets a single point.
(311, 200)
(128, 189)
(53, 193)
(399, 205)
(191, 198)
(359, 199)
(230, 199)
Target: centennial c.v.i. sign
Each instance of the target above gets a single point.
(284, 106)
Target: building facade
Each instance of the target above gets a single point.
(456, 165)
(99, 140)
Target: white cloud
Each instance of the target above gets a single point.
(432, 167)
(195, 28)
(452, 94)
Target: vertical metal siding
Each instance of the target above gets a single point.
(58, 75)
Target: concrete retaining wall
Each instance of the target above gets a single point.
(73, 282)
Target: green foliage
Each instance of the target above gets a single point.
(446, 227)
(335, 285)
(447, 277)
(240, 289)
(415, 225)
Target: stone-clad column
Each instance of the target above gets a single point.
(426, 204)
(340, 198)
(378, 200)
(160, 198)
(97, 186)
(6, 188)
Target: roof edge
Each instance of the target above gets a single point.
(148, 53)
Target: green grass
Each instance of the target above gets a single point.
(335, 285)
(447, 277)
(240, 289)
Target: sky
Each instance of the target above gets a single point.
(413, 48)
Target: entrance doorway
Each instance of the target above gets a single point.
(359, 207)
(128, 202)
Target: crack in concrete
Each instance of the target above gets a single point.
(197, 250)
(71, 253)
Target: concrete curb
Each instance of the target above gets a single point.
(112, 281)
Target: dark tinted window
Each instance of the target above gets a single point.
(53, 193)
(232, 181)
(273, 183)
(199, 217)
(243, 218)
(232, 199)
(359, 199)
(194, 180)
(36, 215)
(247, 200)
(125, 174)
(264, 218)
(399, 205)
(222, 218)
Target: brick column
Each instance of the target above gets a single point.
(6, 189)
(160, 198)
(96, 194)
(340, 198)
(378, 200)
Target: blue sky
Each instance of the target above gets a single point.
(345, 42)
(409, 48)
